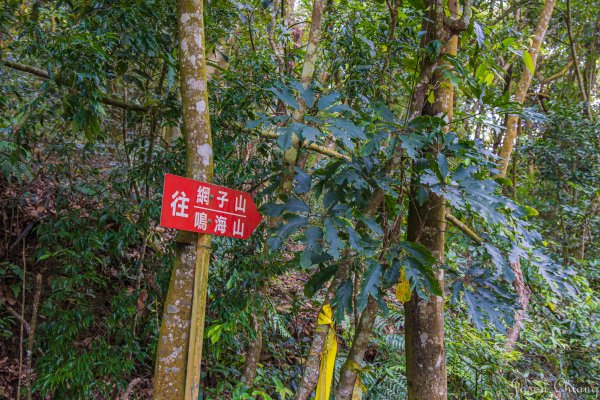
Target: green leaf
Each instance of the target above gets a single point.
(331, 237)
(343, 300)
(272, 209)
(285, 96)
(507, 42)
(530, 211)
(309, 133)
(370, 286)
(372, 224)
(326, 100)
(308, 95)
(528, 62)
(285, 139)
(313, 235)
(473, 310)
(354, 131)
(295, 204)
(302, 181)
(316, 282)
(479, 33)
(503, 181)
(422, 195)
(442, 163)
(419, 263)
(289, 226)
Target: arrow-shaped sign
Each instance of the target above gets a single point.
(196, 206)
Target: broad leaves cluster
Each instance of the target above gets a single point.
(331, 219)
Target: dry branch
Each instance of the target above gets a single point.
(40, 73)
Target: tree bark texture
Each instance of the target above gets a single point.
(174, 340)
(290, 157)
(506, 151)
(523, 86)
(426, 224)
(580, 81)
(310, 375)
(353, 363)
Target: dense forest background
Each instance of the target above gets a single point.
(323, 111)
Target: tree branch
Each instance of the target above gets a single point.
(557, 75)
(312, 146)
(537, 94)
(459, 24)
(463, 227)
(40, 73)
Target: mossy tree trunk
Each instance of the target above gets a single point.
(427, 323)
(193, 251)
(287, 177)
(426, 224)
(512, 122)
(523, 86)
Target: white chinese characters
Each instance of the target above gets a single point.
(203, 195)
(222, 198)
(201, 221)
(240, 204)
(238, 228)
(211, 213)
(221, 224)
(179, 204)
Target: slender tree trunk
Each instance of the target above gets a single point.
(590, 73)
(523, 86)
(191, 249)
(310, 375)
(585, 224)
(255, 345)
(290, 159)
(523, 293)
(580, 81)
(505, 153)
(512, 121)
(426, 224)
(33, 324)
(428, 322)
(308, 68)
(353, 363)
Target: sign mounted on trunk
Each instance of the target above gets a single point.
(190, 205)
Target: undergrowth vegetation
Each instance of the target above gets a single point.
(90, 121)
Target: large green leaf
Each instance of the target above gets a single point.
(528, 60)
(316, 282)
(371, 283)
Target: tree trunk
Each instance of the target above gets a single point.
(505, 153)
(429, 323)
(253, 352)
(424, 319)
(290, 159)
(254, 348)
(310, 376)
(523, 293)
(353, 363)
(308, 68)
(580, 81)
(523, 87)
(192, 252)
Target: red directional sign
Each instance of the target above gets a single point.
(195, 206)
